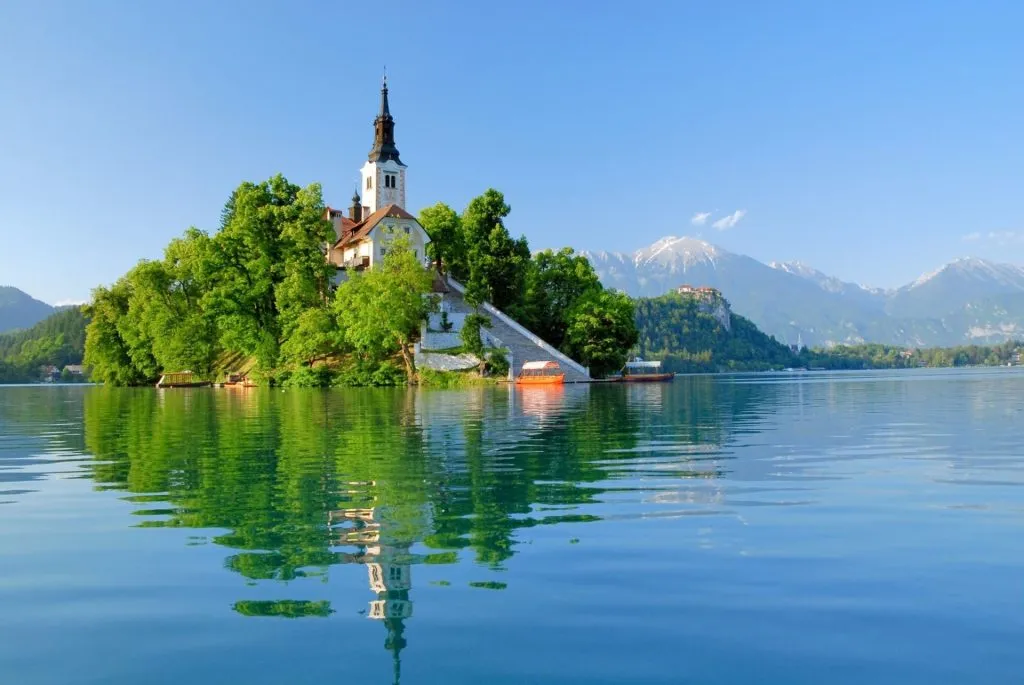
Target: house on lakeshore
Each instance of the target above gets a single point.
(361, 237)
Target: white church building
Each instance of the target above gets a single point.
(362, 236)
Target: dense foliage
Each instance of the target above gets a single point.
(258, 289)
(550, 293)
(57, 340)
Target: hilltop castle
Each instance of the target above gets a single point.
(362, 236)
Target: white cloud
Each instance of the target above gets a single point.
(1005, 237)
(68, 303)
(700, 218)
(727, 222)
(995, 237)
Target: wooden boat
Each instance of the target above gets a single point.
(540, 373)
(182, 379)
(639, 371)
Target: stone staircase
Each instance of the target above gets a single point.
(523, 346)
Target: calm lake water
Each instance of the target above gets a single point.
(844, 528)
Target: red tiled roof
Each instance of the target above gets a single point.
(359, 231)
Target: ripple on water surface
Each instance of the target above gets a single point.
(805, 528)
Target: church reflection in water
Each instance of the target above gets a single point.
(294, 483)
(384, 550)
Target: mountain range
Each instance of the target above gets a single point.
(20, 310)
(966, 301)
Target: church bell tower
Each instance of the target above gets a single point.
(383, 181)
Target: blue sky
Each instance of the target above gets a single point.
(872, 140)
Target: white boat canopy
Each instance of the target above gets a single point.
(537, 366)
(643, 365)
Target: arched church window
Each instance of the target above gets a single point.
(369, 182)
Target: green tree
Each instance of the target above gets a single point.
(601, 331)
(267, 265)
(106, 350)
(496, 264)
(556, 281)
(447, 248)
(315, 338)
(379, 312)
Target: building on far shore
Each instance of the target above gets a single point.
(710, 301)
(701, 292)
(372, 219)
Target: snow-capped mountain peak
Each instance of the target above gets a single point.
(972, 268)
(968, 299)
(678, 252)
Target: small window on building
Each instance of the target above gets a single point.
(369, 182)
(406, 230)
(416, 254)
(383, 251)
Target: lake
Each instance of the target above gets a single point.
(803, 528)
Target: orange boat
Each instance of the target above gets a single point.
(540, 373)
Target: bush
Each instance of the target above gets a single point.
(309, 377)
(449, 380)
(361, 373)
(497, 364)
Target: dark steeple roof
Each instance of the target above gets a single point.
(384, 131)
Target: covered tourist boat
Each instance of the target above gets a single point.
(639, 371)
(540, 373)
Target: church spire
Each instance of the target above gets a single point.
(384, 110)
(384, 148)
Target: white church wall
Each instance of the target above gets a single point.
(376, 194)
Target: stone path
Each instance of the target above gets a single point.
(523, 347)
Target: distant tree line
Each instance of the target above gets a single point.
(678, 329)
(876, 356)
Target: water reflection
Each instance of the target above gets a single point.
(294, 483)
(757, 506)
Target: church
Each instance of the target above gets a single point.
(362, 236)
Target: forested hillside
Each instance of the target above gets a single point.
(58, 340)
(688, 338)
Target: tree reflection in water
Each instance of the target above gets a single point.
(305, 480)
